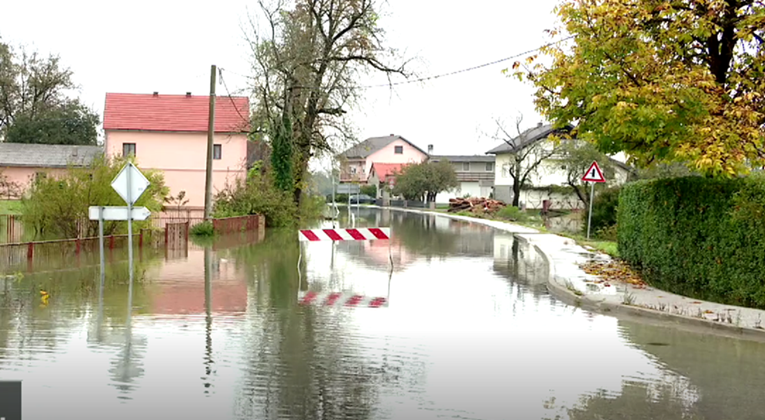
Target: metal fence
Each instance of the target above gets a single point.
(239, 224)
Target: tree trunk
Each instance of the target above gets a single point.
(517, 184)
(516, 192)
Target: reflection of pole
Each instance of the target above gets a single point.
(103, 266)
(334, 204)
(130, 240)
(208, 315)
(589, 216)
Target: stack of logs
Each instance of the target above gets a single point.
(475, 205)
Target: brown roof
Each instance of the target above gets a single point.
(373, 144)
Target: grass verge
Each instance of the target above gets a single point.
(10, 207)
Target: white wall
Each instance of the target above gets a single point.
(471, 188)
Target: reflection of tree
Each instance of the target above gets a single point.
(728, 373)
(517, 260)
(637, 401)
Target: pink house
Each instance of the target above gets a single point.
(169, 133)
(393, 149)
(20, 164)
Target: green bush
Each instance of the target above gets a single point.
(370, 190)
(202, 229)
(259, 195)
(56, 205)
(698, 237)
(604, 209)
(512, 213)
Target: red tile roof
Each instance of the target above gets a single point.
(386, 170)
(130, 111)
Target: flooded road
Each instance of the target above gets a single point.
(470, 332)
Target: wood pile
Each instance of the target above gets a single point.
(475, 205)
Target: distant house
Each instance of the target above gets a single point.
(169, 133)
(384, 174)
(474, 173)
(356, 162)
(23, 163)
(550, 171)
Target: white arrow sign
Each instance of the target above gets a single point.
(119, 213)
(137, 185)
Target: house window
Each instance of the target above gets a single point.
(128, 149)
(217, 151)
(353, 170)
(399, 150)
(489, 166)
(466, 166)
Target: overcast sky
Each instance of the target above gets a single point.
(168, 46)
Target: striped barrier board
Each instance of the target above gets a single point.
(360, 234)
(341, 299)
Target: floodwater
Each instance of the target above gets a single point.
(470, 332)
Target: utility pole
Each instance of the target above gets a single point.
(210, 138)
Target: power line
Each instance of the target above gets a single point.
(228, 93)
(480, 66)
(438, 76)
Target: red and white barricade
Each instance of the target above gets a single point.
(360, 234)
(339, 298)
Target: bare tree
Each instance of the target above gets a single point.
(308, 64)
(528, 152)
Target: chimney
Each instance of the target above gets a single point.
(156, 94)
(188, 94)
(393, 135)
(430, 149)
(539, 124)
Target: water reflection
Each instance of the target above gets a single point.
(470, 332)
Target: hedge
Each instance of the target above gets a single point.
(699, 237)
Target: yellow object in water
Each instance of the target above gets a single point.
(44, 296)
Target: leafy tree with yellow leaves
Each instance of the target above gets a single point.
(663, 81)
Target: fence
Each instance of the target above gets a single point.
(67, 252)
(174, 237)
(239, 224)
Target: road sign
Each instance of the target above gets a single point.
(348, 188)
(119, 213)
(137, 185)
(594, 174)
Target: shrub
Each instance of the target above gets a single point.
(370, 190)
(512, 213)
(258, 195)
(604, 210)
(202, 229)
(698, 237)
(57, 205)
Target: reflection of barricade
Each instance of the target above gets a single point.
(337, 298)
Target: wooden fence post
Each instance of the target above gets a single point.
(111, 241)
(77, 245)
(30, 251)
(140, 238)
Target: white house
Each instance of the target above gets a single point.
(474, 173)
(533, 144)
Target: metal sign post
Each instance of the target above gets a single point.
(593, 175)
(130, 184)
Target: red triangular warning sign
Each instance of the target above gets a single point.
(594, 174)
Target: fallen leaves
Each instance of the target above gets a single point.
(614, 271)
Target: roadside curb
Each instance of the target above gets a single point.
(592, 302)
